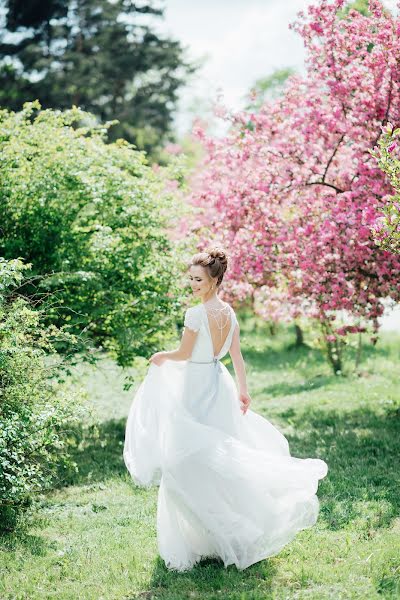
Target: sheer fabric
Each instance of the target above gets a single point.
(228, 486)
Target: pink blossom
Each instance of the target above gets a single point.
(173, 149)
(296, 197)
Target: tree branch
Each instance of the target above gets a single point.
(330, 185)
(332, 157)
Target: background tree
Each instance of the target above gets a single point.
(293, 190)
(102, 56)
(92, 219)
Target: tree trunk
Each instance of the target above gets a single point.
(334, 357)
(359, 346)
(299, 335)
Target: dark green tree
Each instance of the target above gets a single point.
(102, 56)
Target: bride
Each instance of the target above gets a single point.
(228, 486)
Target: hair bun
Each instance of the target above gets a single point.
(218, 253)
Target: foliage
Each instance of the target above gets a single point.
(268, 87)
(93, 220)
(35, 412)
(105, 57)
(361, 6)
(293, 191)
(387, 228)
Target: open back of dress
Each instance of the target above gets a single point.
(219, 321)
(213, 341)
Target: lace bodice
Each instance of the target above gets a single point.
(196, 319)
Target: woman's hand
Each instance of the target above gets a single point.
(158, 358)
(245, 401)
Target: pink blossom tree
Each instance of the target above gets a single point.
(293, 190)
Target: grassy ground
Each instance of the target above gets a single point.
(96, 538)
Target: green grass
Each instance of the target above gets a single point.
(96, 537)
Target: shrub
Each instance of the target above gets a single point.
(35, 409)
(92, 218)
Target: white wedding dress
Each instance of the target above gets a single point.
(229, 487)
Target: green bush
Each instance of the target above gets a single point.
(92, 218)
(35, 409)
(387, 228)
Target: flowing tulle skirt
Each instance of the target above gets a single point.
(228, 485)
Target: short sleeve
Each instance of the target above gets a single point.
(236, 322)
(192, 319)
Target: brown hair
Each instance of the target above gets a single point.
(215, 261)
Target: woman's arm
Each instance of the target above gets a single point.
(184, 352)
(240, 370)
(237, 360)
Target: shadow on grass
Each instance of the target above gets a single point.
(271, 358)
(361, 448)
(98, 452)
(285, 388)
(36, 545)
(272, 352)
(300, 360)
(210, 579)
(308, 366)
(274, 356)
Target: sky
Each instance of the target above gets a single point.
(240, 41)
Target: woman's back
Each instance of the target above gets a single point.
(215, 330)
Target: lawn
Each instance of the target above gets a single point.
(95, 538)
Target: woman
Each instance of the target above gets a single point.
(228, 485)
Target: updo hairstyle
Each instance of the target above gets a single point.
(215, 261)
